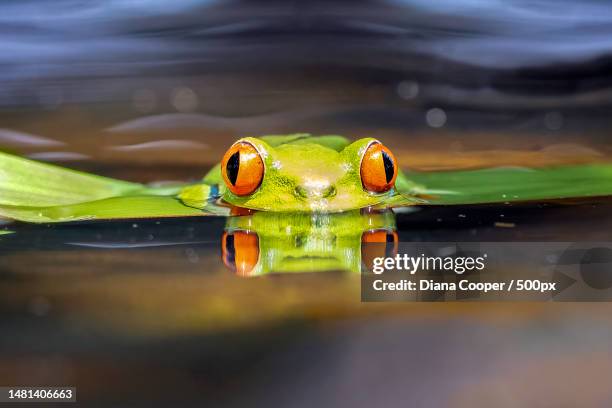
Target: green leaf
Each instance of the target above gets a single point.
(108, 209)
(514, 184)
(25, 182)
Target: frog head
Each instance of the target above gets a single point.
(308, 176)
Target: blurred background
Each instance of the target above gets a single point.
(145, 314)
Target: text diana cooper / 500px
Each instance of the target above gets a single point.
(481, 271)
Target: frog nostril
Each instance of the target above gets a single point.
(301, 191)
(329, 192)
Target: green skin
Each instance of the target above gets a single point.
(303, 173)
(310, 242)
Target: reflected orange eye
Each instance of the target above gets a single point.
(378, 168)
(376, 244)
(242, 168)
(240, 250)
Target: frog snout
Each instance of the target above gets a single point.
(319, 191)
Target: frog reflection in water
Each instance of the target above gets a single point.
(258, 243)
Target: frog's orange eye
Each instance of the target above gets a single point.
(242, 168)
(240, 251)
(378, 168)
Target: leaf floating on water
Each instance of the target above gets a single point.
(116, 208)
(38, 192)
(515, 184)
(25, 182)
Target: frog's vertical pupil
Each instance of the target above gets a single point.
(389, 168)
(232, 167)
